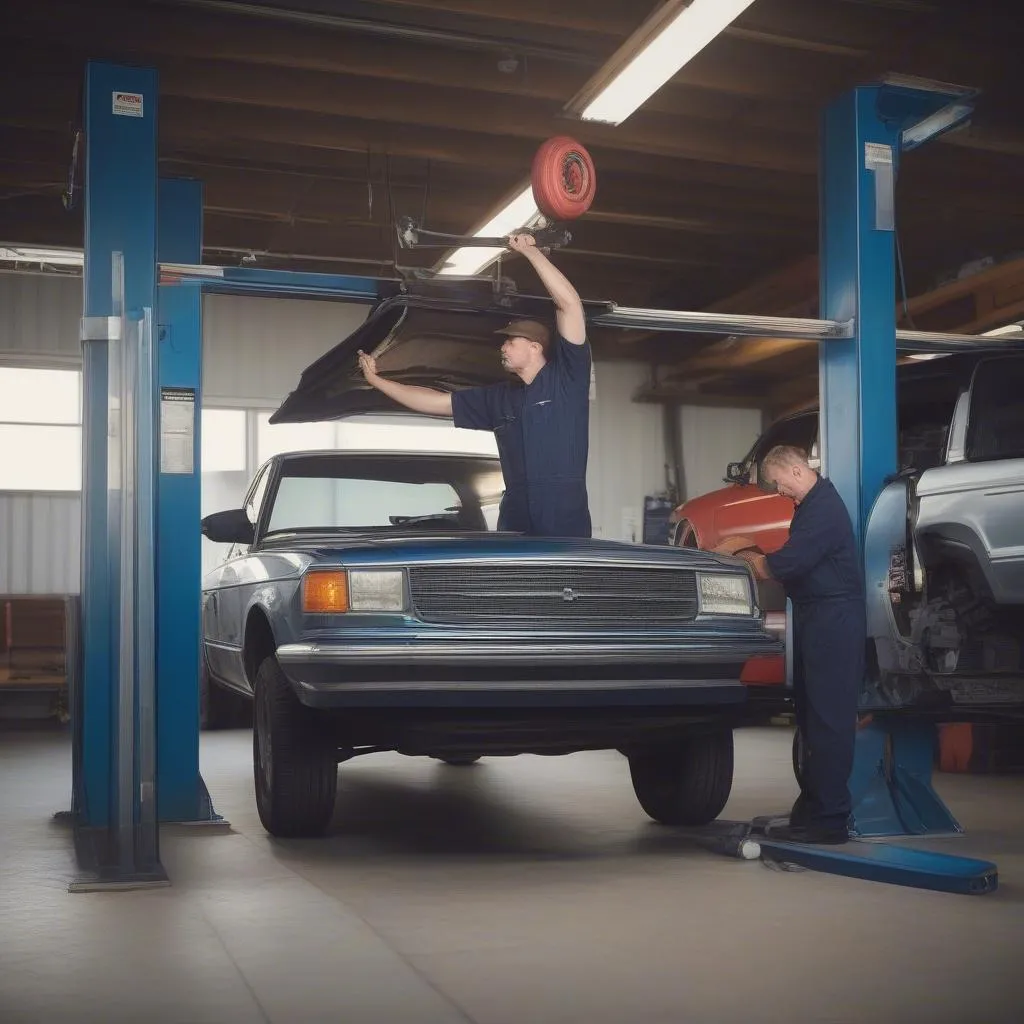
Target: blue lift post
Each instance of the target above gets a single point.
(181, 793)
(864, 133)
(113, 805)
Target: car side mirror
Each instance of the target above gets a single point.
(231, 527)
(736, 473)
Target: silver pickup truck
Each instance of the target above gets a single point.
(944, 550)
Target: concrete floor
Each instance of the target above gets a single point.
(525, 891)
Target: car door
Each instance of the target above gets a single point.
(751, 510)
(225, 605)
(981, 487)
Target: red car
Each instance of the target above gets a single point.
(743, 509)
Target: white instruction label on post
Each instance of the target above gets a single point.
(177, 430)
(128, 104)
(876, 153)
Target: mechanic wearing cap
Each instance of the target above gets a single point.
(541, 421)
(820, 568)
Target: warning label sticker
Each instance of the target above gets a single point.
(128, 104)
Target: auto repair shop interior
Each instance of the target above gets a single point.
(290, 728)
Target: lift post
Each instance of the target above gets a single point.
(864, 134)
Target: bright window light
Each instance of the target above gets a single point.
(471, 260)
(273, 439)
(40, 458)
(223, 441)
(666, 42)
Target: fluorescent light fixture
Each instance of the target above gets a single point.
(1009, 331)
(520, 212)
(670, 38)
(956, 115)
(53, 257)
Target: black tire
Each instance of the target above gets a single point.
(688, 784)
(295, 761)
(461, 762)
(220, 708)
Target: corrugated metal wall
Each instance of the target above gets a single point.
(254, 351)
(39, 319)
(40, 543)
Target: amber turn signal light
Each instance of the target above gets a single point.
(325, 591)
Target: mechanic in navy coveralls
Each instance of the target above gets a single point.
(820, 568)
(541, 421)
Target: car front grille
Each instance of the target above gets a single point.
(551, 594)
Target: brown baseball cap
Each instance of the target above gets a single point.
(531, 330)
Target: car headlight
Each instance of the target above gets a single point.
(724, 595)
(376, 590)
(336, 591)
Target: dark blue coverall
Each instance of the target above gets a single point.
(820, 568)
(542, 429)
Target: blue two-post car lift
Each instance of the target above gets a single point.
(136, 714)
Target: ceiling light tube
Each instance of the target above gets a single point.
(520, 212)
(671, 37)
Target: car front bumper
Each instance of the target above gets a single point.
(480, 672)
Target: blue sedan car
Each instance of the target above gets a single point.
(367, 605)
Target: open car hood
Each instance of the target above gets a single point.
(442, 337)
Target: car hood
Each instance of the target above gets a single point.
(440, 336)
(402, 547)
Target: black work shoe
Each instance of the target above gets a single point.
(818, 835)
(800, 815)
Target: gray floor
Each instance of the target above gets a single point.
(514, 892)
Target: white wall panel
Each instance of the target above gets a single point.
(39, 319)
(254, 348)
(627, 452)
(712, 438)
(40, 543)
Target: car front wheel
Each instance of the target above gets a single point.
(688, 783)
(295, 761)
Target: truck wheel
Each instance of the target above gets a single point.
(461, 762)
(688, 784)
(295, 762)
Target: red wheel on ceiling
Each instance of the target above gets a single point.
(564, 179)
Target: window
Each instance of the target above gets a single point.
(252, 506)
(224, 447)
(40, 429)
(996, 426)
(305, 503)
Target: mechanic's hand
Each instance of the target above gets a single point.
(522, 242)
(757, 562)
(732, 545)
(369, 367)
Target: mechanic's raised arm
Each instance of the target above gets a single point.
(424, 400)
(568, 307)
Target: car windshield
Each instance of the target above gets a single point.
(329, 492)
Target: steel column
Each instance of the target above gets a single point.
(120, 217)
(181, 793)
(863, 133)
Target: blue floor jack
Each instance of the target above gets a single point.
(893, 796)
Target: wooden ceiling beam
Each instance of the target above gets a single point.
(741, 70)
(698, 138)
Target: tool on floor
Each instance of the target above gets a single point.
(872, 861)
